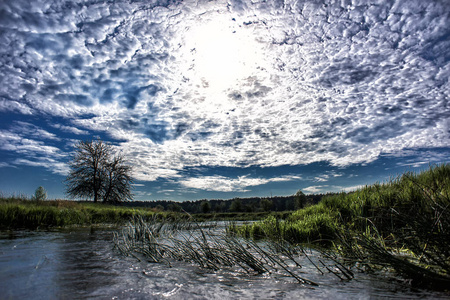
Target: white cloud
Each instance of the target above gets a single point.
(351, 188)
(9, 105)
(48, 163)
(4, 165)
(337, 82)
(226, 184)
(325, 177)
(28, 129)
(166, 192)
(315, 189)
(70, 129)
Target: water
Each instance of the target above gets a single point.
(81, 264)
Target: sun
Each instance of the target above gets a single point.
(222, 53)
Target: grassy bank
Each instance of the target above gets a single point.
(403, 224)
(22, 213)
(387, 207)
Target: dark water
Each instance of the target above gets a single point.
(81, 264)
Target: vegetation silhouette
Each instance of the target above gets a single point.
(96, 173)
(40, 194)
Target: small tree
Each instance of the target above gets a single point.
(236, 205)
(220, 206)
(159, 207)
(266, 204)
(95, 173)
(174, 207)
(299, 200)
(205, 207)
(40, 194)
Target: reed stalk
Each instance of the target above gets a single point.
(163, 242)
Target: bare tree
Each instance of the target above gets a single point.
(94, 173)
(118, 180)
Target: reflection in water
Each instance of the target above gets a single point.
(86, 264)
(80, 264)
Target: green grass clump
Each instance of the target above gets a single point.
(403, 224)
(309, 225)
(386, 206)
(239, 216)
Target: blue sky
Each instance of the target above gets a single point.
(223, 99)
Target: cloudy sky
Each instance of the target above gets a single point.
(218, 99)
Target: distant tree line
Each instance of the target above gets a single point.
(253, 204)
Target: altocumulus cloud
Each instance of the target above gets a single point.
(336, 81)
(225, 184)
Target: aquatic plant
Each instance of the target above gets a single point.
(403, 225)
(162, 242)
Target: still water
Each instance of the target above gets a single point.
(82, 264)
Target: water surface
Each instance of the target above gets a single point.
(81, 264)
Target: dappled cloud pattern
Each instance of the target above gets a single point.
(292, 82)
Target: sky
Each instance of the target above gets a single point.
(223, 99)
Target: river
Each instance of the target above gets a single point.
(80, 263)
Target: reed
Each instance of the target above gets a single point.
(403, 225)
(412, 237)
(161, 242)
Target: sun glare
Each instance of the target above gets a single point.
(222, 53)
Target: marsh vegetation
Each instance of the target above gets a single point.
(400, 227)
(209, 248)
(19, 212)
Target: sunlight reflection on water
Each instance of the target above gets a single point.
(81, 264)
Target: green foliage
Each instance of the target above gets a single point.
(236, 205)
(386, 206)
(174, 207)
(205, 207)
(299, 200)
(18, 213)
(266, 204)
(312, 228)
(403, 224)
(40, 194)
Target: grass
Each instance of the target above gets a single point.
(310, 225)
(22, 213)
(403, 224)
(157, 241)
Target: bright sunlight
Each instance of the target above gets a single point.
(223, 52)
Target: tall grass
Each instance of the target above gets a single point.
(313, 224)
(403, 224)
(20, 212)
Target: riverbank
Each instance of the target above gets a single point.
(23, 213)
(403, 224)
